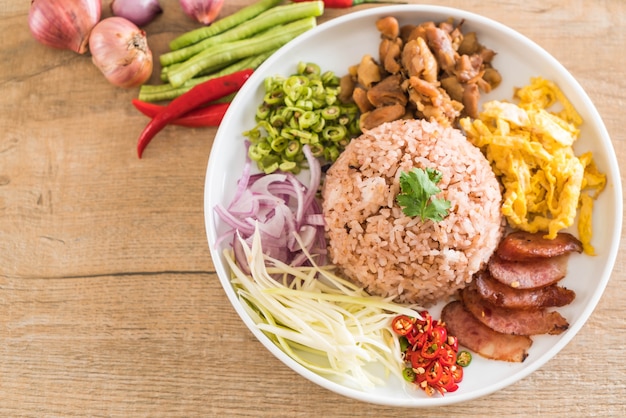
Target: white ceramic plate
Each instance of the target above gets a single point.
(341, 42)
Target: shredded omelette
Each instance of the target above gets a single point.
(529, 146)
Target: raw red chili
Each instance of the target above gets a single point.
(429, 352)
(210, 115)
(342, 4)
(447, 355)
(200, 94)
(433, 374)
(447, 382)
(402, 324)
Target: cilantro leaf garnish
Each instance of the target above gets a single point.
(417, 197)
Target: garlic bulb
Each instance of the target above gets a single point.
(64, 24)
(120, 50)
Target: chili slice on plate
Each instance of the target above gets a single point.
(432, 360)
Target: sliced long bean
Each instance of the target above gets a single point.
(275, 16)
(157, 93)
(223, 24)
(303, 108)
(232, 51)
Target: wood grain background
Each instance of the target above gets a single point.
(109, 302)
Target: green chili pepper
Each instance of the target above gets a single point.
(464, 358)
(408, 374)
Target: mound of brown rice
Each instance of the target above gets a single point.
(371, 240)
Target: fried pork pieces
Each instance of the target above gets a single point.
(429, 71)
(510, 300)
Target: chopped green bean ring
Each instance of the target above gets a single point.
(292, 149)
(301, 109)
(331, 112)
(331, 153)
(317, 150)
(279, 144)
(262, 112)
(258, 151)
(335, 133)
(273, 97)
(307, 119)
(277, 121)
(287, 165)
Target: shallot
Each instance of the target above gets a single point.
(204, 11)
(120, 50)
(64, 24)
(140, 12)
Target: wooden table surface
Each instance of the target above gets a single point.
(109, 301)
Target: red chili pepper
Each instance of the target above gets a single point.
(447, 356)
(210, 115)
(418, 361)
(343, 4)
(200, 94)
(403, 324)
(439, 334)
(447, 382)
(430, 350)
(433, 373)
(430, 353)
(457, 373)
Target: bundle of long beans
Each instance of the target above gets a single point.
(241, 40)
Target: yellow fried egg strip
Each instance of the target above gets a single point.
(529, 146)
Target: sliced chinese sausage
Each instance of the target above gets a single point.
(521, 245)
(506, 296)
(476, 336)
(513, 321)
(529, 274)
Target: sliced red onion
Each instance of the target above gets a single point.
(140, 12)
(281, 206)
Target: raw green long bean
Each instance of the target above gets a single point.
(224, 24)
(166, 70)
(156, 93)
(232, 51)
(275, 16)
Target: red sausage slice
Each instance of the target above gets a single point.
(521, 245)
(476, 336)
(499, 294)
(529, 274)
(513, 321)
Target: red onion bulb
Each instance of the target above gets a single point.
(204, 11)
(120, 50)
(140, 12)
(64, 24)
